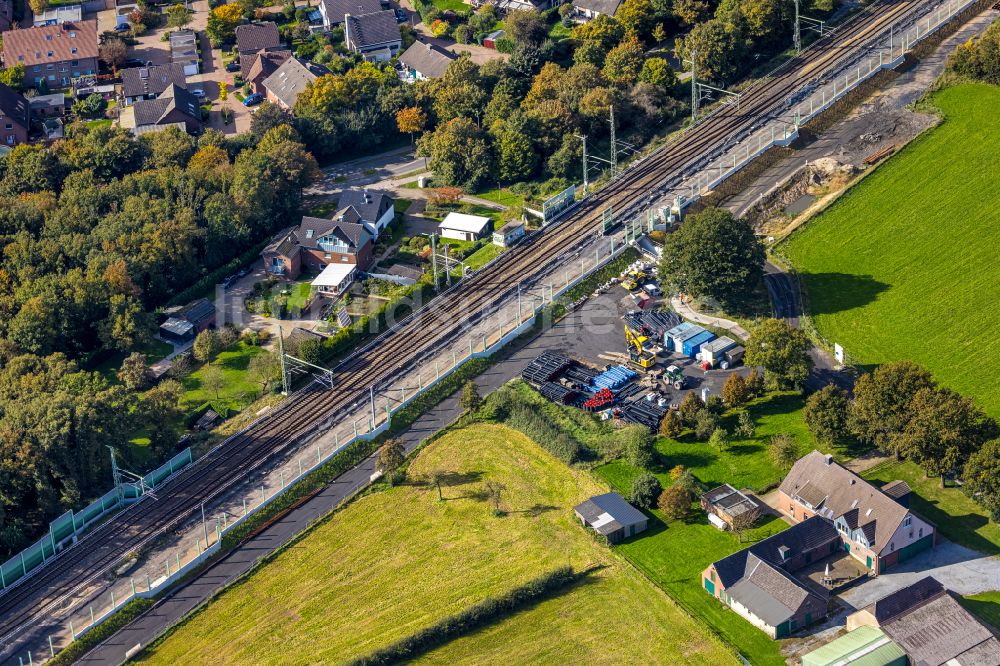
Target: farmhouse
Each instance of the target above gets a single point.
(758, 585)
(611, 516)
(375, 36)
(461, 226)
(933, 629)
(725, 505)
(874, 527)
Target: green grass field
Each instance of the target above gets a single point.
(745, 464)
(398, 560)
(956, 516)
(904, 265)
(236, 390)
(986, 606)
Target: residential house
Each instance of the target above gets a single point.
(875, 528)
(287, 82)
(929, 624)
(611, 516)
(6, 14)
(55, 54)
(509, 234)
(251, 39)
(332, 12)
(425, 61)
(865, 646)
(725, 504)
(140, 83)
(184, 51)
(375, 36)
(173, 105)
(57, 15)
(461, 226)
(337, 248)
(15, 117)
(757, 582)
(505, 6)
(591, 9)
(375, 210)
(264, 63)
(184, 324)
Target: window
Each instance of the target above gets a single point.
(327, 256)
(343, 258)
(73, 50)
(10, 139)
(713, 575)
(907, 521)
(920, 532)
(37, 68)
(50, 67)
(76, 63)
(9, 126)
(892, 546)
(21, 59)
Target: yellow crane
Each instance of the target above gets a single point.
(637, 353)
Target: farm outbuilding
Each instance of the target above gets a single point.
(610, 515)
(461, 226)
(692, 345)
(713, 352)
(866, 646)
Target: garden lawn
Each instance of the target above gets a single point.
(453, 5)
(956, 516)
(108, 364)
(904, 266)
(299, 294)
(502, 197)
(236, 391)
(985, 606)
(483, 256)
(674, 554)
(744, 464)
(397, 561)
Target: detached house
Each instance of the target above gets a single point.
(15, 117)
(251, 39)
(425, 61)
(175, 106)
(284, 85)
(337, 248)
(333, 12)
(591, 9)
(875, 525)
(374, 210)
(55, 54)
(757, 583)
(375, 36)
(148, 82)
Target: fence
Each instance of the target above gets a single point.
(782, 133)
(67, 526)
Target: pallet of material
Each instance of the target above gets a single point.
(880, 154)
(545, 368)
(645, 413)
(580, 374)
(557, 393)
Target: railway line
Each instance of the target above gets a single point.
(54, 586)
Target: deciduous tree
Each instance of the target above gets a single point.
(133, 371)
(206, 345)
(784, 450)
(178, 16)
(881, 406)
(781, 350)
(670, 426)
(645, 489)
(411, 120)
(690, 407)
(637, 445)
(825, 414)
(213, 380)
(675, 502)
(734, 390)
(113, 52)
(657, 72)
(459, 152)
(390, 458)
(470, 396)
(982, 478)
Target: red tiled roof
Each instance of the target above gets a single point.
(50, 44)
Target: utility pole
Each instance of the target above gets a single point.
(447, 265)
(694, 86)
(614, 144)
(796, 35)
(371, 394)
(434, 260)
(583, 138)
(116, 474)
(204, 524)
(284, 367)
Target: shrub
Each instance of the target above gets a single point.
(675, 502)
(746, 428)
(676, 471)
(646, 488)
(637, 444)
(537, 427)
(715, 405)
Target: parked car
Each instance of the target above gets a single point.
(234, 66)
(133, 62)
(229, 281)
(124, 27)
(198, 92)
(243, 271)
(401, 15)
(253, 100)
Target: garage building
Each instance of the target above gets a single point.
(461, 226)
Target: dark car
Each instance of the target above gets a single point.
(124, 27)
(133, 62)
(229, 281)
(234, 66)
(253, 100)
(401, 15)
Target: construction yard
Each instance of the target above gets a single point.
(413, 560)
(903, 266)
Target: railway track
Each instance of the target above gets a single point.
(78, 567)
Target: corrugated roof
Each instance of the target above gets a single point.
(865, 646)
(612, 505)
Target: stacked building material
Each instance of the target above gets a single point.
(545, 368)
(614, 377)
(644, 412)
(557, 393)
(652, 323)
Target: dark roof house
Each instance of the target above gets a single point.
(931, 626)
(148, 82)
(286, 83)
(15, 117)
(317, 243)
(371, 208)
(611, 516)
(425, 61)
(258, 66)
(333, 11)
(593, 8)
(6, 14)
(174, 105)
(757, 582)
(253, 37)
(376, 36)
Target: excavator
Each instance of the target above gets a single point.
(638, 355)
(633, 279)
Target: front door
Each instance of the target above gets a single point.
(710, 586)
(868, 561)
(847, 547)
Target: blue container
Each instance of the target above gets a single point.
(693, 345)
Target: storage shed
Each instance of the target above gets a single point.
(508, 234)
(461, 226)
(674, 338)
(692, 345)
(712, 352)
(865, 645)
(610, 515)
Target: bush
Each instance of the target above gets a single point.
(715, 405)
(646, 488)
(125, 615)
(537, 427)
(675, 502)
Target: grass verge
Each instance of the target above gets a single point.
(72, 652)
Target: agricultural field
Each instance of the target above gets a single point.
(398, 560)
(903, 266)
(956, 516)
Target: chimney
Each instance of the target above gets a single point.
(829, 459)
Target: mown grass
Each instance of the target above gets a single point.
(904, 265)
(483, 256)
(985, 606)
(236, 390)
(396, 561)
(956, 516)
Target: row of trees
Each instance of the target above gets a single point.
(979, 58)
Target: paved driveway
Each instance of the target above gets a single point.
(958, 568)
